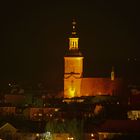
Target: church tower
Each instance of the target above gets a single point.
(73, 66)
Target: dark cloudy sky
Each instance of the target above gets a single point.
(34, 36)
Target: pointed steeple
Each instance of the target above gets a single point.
(112, 74)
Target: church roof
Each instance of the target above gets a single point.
(101, 86)
(7, 127)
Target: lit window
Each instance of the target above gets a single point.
(56, 109)
(70, 138)
(92, 135)
(37, 134)
(39, 114)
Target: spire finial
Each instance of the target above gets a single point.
(73, 27)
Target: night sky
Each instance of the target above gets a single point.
(34, 37)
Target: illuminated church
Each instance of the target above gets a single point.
(75, 85)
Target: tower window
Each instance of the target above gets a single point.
(73, 44)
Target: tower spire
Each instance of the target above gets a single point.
(73, 40)
(112, 74)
